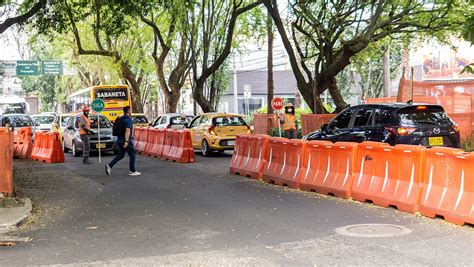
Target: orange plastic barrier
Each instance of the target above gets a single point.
(389, 176)
(168, 144)
(329, 168)
(285, 159)
(47, 148)
(249, 155)
(182, 149)
(140, 139)
(156, 145)
(22, 144)
(150, 137)
(448, 187)
(6, 161)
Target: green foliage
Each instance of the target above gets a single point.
(467, 144)
(275, 132)
(45, 86)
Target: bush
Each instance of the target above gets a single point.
(467, 145)
(275, 133)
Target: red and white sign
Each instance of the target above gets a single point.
(277, 103)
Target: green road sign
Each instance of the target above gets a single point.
(26, 67)
(98, 105)
(52, 68)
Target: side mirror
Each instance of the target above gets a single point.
(324, 127)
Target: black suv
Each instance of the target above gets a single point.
(396, 123)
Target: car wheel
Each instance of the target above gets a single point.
(205, 148)
(75, 153)
(65, 149)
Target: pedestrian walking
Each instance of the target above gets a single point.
(85, 132)
(123, 129)
(290, 124)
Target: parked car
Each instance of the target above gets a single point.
(18, 121)
(140, 120)
(396, 123)
(43, 122)
(72, 140)
(60, 123)
(172, 121)
(216, 131)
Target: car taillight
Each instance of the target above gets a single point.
(456, 128)
(248, 129)
(400, 130)
(212, 130)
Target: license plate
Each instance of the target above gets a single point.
(230, 143)
(435, 141)
(100, 145)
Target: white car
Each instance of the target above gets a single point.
(43, 122)
(172, 121)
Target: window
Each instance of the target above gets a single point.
(342, 120)
(195, 122)
(20, 121)
(427, 115)
(249, 106)
(178, 120)
(204, 120)
(382, 116)
(163, 120)
(64, 121)
(228, 121)
(139, 119)
(363, 118)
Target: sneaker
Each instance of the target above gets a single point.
(135, 173)
(108, 169)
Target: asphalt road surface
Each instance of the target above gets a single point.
(199, 214)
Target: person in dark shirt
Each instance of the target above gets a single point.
(125, 144)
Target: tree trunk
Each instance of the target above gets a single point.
(270, 85)
(205, 104)
(336, 95)
(128, 75)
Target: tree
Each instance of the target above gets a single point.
(212, 26)
(172, 22)
(467, 32)
(30, 9)
(323, 36)
(107, 24)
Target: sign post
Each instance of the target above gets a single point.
(278, 104)
(98, 105)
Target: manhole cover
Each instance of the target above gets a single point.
(373, 230)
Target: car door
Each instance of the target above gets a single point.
(339, 127)
(193, 128)
(362, 125)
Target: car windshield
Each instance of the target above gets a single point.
(43, 119)
(139, 119)
(64, 120)
(423, 115)
(20, 121)
(104, 122)
(179, 120)
(228, 121)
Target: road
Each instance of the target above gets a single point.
(199, 214)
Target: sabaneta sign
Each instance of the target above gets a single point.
(112, 93)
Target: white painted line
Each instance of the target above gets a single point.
(387, 149)
(347, 173)
(327, 170)
(445, 189)
(297, 167)
(361, 172)
(284, 163)
(270, 162)
(461, 191)
(248, 158)
(430, 182)
(309, 166)
(439, 154)
(386, 176)
(412, 178)
(407, 151)
(259, 157)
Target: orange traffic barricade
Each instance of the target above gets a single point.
(23, 144)
(151, 136)
(448, 187)
(285, 159)
(168, 144)
(6, 161)
(315, 165)
(182, 150)
(47, 148)
(249, 155)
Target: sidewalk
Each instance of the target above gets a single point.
(13, 212)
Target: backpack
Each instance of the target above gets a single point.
(118, 128)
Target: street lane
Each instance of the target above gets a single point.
(200, 214)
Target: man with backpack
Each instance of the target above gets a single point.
(123, 129)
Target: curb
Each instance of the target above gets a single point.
(25, 214)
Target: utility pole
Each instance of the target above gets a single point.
(270, 84)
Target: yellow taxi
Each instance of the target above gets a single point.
(59, 124)
(140, 120)
(216, 131)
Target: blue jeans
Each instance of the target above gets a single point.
(121, 153)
